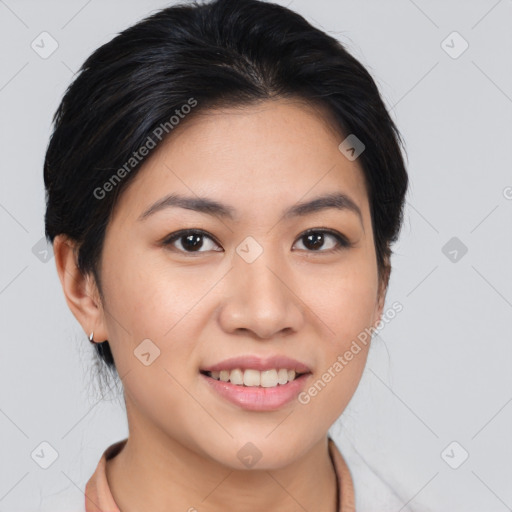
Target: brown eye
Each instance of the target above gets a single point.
(321, 240)
(190, 241)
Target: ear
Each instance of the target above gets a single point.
(80, 290)
(382, 290)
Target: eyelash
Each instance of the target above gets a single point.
(343, 242)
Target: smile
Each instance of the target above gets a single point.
(255, 378)
(255, 396)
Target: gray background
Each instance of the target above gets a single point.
(439, 372)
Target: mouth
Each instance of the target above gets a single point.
(249, 377)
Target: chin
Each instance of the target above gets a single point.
(260, 451)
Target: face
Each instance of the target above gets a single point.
(187, 288)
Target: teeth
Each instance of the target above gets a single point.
(251, 377)
(265, 379)
(236, 377)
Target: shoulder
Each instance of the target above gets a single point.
(371, 491)
(98, 496)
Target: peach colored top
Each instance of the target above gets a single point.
(98, 497)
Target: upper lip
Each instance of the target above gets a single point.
(258, 363)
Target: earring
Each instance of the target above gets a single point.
(90, 337)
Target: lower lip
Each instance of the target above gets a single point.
(254, 398)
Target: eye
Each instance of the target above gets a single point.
(316, 238)
(190, 240)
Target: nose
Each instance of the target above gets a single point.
(261, 297)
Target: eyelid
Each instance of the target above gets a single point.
(176, 235)
(343, 241)
(341, 238)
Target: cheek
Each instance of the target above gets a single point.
(151, 295)
(342, 357)
(345, 303)
(351, 311)
(150, 299)
(343, 297)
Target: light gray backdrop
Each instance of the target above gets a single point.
(433, 414)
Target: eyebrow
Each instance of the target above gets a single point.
(336, 200)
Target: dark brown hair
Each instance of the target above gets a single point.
(225, 52)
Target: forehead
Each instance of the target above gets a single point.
(276, 151)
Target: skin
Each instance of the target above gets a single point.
(202, 307)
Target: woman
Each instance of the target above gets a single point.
(224, 185)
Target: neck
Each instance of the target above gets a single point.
(157, 473)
